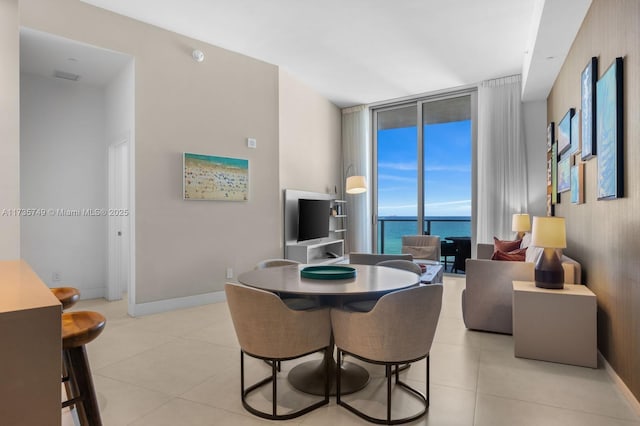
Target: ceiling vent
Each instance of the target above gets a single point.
(65, 75)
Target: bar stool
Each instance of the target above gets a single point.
(68, 296)
(78, 329)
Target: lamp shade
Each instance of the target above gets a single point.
(520, 222)
(548, 232)
(356, 185)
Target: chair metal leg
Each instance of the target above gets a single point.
(273, 415)
(390, 370)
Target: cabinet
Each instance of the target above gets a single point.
(314, 251)
(555, 325)
(327, 251)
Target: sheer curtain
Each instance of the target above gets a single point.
(502, 163)
(356, 158)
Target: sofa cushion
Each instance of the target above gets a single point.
(514, 255)
(506, 245)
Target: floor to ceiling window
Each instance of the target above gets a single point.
(423, 173)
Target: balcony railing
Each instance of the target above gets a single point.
(391, 230)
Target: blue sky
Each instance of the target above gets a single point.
(447, 170)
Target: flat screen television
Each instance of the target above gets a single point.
(313, 219)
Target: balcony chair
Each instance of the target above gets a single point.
(422, 246)
(398, 330)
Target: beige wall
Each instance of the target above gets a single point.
(9, 129)
(183, 248)
(604, 235)
(310, 135)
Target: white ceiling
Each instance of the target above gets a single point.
(365, 51)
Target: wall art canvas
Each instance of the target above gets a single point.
(575, 134)
(208, 177)
(564, 174)
(554, 174)
(564, 132)
(577, 183)
(588, 108)
(551, 136)
(609, 131)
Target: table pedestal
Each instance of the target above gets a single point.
(308, 377)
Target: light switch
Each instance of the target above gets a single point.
(251, 142)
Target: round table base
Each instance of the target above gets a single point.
(308, 377)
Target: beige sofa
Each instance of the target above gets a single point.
(487, 298)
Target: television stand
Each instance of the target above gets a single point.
(316, 251)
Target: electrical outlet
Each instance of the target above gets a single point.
(229, 272)
(56, 276)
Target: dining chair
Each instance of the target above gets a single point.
(359, 258)
(365, 305)
(398, 330)
(269, 263)
(268, 330)
(296, 302)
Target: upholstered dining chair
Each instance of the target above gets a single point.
(269, 263)
(296, 302)
(398, 330)
(365, 305)
(268, 330)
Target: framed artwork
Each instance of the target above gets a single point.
(564, 132)
(551, 136)
(609, 132)
(554, 174)
(550, 206)
(564, 174)
(207, 177)
(577, 183)
(588, 111)
(575, 134)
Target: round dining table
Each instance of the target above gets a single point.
(370, 282)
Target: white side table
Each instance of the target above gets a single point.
(555, 325)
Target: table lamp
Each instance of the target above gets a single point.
(549, 233)
(520, 223)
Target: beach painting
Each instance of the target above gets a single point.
(207, 177)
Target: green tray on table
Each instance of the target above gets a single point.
(328, 272)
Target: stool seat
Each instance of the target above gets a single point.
(81, 327)
(68, 296)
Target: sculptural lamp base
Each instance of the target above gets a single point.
(548, 270)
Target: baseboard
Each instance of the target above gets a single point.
(92, 293)
(141, 309)
(622, 387)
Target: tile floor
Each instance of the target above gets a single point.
(182, 368)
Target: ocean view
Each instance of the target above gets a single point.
(390, 241)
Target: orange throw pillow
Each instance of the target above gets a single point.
(515, 255)
(506, 245)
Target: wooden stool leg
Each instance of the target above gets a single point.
(79, 364)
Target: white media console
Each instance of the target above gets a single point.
(322, 250)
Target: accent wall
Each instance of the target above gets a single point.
(604, 235)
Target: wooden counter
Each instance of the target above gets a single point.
(30, 348)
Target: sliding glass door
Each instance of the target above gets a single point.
(423, 171)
